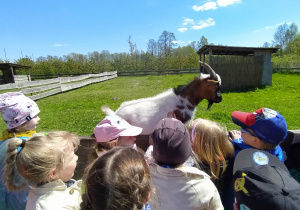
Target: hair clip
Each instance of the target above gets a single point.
(21, 146)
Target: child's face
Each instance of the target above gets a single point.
(126, 141)
(71, 162)
(31, 125)
(248, 139)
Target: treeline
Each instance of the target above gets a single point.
(162, 54)
(287, 39)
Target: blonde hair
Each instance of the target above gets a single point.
(211, 145)
(37, 157)
(119, 179)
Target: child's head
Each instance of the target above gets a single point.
(262, 129)
(43, 158)
(210, 143)
(262, 181)
(18, 111)
(114, 131)
(119, 179)
(171, 142)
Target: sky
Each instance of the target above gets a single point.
(35, 28)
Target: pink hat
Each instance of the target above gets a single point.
(17, 109)
(113, 126)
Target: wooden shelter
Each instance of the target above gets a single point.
(240, 66)
(9, 71)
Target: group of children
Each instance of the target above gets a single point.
(198, 166)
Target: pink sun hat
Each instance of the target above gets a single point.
(113, 126)
(16, 109)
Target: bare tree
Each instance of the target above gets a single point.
(285, 34)
(152, 47)
(166, 42)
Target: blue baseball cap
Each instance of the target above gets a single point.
(267, 124)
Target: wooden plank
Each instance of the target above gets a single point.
(40, 88)
(28, 84)
(45, 94)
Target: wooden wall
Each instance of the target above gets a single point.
(238, 72)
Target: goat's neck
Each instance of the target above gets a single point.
(191, 96)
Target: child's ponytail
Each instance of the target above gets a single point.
(14, 146)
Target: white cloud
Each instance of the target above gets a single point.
(187, 21)
(225, 3)
(204, 23)
(215, 4)
(206, 6)
(182, 29)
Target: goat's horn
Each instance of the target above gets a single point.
(211, 72)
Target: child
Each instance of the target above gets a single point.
(177, 185)
(113, 131)
(20, 114)
(119, 179)
(212, 148)
(262, 181)
(47, 162)
(263, 129)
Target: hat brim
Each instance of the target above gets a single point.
(131, 131)
(253, 157)
(243, 119)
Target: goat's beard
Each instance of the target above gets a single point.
(210, 103)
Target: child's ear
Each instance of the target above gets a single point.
(53, 174)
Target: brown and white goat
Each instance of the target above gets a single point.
(182, 101)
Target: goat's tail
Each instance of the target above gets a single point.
(107, 110)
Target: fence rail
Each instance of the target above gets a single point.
(44, 88)
(157, 72)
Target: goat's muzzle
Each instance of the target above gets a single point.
(218, 98)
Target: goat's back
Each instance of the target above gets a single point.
(147, 112)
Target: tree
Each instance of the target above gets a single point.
(267, 45)
(203, 41)
(285, 34)
(131, 46)
(291, 33)
(166, 42)
(193, 44)
(152, 47)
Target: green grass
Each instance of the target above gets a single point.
(79, 110)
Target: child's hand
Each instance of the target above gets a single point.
(234, 134)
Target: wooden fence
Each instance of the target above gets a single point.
(44, 88)
(157, 72)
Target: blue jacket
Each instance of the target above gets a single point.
(10, 199)
(240, 145)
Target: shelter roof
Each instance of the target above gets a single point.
(231, 50)
(4, 66)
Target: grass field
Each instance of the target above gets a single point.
(79, 110)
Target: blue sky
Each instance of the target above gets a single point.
(37, 28)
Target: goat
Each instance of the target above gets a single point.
(182, 101)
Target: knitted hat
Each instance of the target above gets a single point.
(171, 142)
(113, 126)
(17, 109)
(262, 181)
(267, 124)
